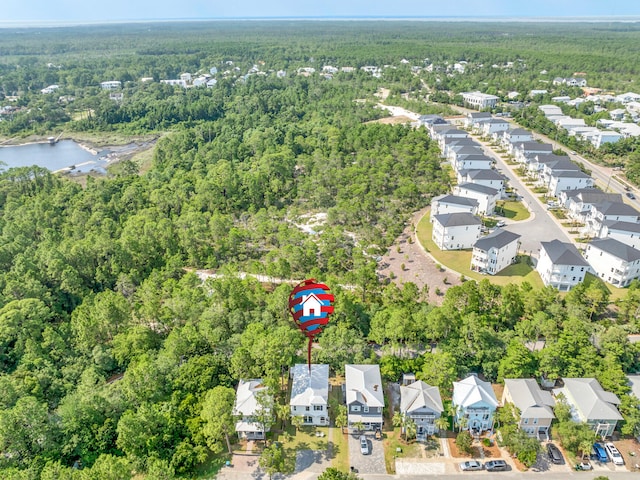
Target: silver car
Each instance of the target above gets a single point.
(364, 445)
(470, 466)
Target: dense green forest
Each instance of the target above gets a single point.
(113, 352)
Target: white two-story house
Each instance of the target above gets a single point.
(455, 231)
(422, 403)
(625, 232)
(474, 400)
(364, 396)
(495, 252)
(310, 393)
(561, 265)
(488, 178)
(613, 261)
(568, 180)
(608, 211)
(487, 197)
(535, 405)
(453, 204)
(246, 406)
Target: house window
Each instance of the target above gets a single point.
(365, 409)
(317, 408)
(574, 279)
(306, 409)
(525, 421)
(485, 417)
(535, 421)
(355, 408)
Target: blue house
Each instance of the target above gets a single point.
(474, 401)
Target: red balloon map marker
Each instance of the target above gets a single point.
(310, 305)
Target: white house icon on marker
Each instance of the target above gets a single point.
(311, 306)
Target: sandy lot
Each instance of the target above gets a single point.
(419, 266)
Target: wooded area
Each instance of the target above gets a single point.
(112, 353)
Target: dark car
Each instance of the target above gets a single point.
(630, 195)
(554, 454)
(495, 466)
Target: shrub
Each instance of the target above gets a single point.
(464, 440)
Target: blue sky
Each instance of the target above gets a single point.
(113, 10)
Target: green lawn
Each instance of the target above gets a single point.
(514, 210)
(460, 261)
(392, 443)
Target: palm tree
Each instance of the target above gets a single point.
(442, 424)
(410, 429)
(341, 420)
(398, 421)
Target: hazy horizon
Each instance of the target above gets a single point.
(38, 12)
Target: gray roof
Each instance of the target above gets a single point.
(466, 150)
(453, 131)
(552, 157)
(457, 219)
(456, 200)
(634, 383)
(561, 164)
(531, 400)
(616, 208)
(535, 146)
(562, 253)
(419, 395)
(623, 226)
(479, 188)
(488, 174)
(496, 121)
(460, 141)
(363, 384)
(478, 115)
(616, 248)
(496, 239)
(593, 195)
(432, 118)
(588, 396)
(310, 388)
(518, 131)
(474, 156)
(569, 174)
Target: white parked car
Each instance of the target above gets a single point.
(364, 445)
(614, 453)
(470, 465)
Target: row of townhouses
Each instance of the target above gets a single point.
(613, 254)
(473, 402)
(456, 217)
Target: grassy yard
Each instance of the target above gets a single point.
(392, 443)
(513, 210)
(340, 441)
(460, 261)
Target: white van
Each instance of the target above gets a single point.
(614, 453)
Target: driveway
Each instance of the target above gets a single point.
(367, 464)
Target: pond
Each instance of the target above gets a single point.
(64, 155)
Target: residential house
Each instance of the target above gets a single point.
(515, 135)
(50, 89)
(522, 149)
(495, 252)
(488, 178)
(534, 404)
(494, 125)
(608, 211)
(455, 231)
(453, 204)
(431, 119)
(568, 180)
(613, 261)
(568, 122)
(479, 101)
(485, 196)
(561, 265)
(422, 403)
(536, 166)
(548, 110)
(456, 151)
(473, 162)
(578, 202)
(603, 137)
(310, 393)
(474, 400)
(364, 396)
(591, 404)
(475, 117)
(625, 232)
(449, 133)
(618, 114)
(246, 408)
(111, 85)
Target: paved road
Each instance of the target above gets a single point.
(367, 464)
(542, 225)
